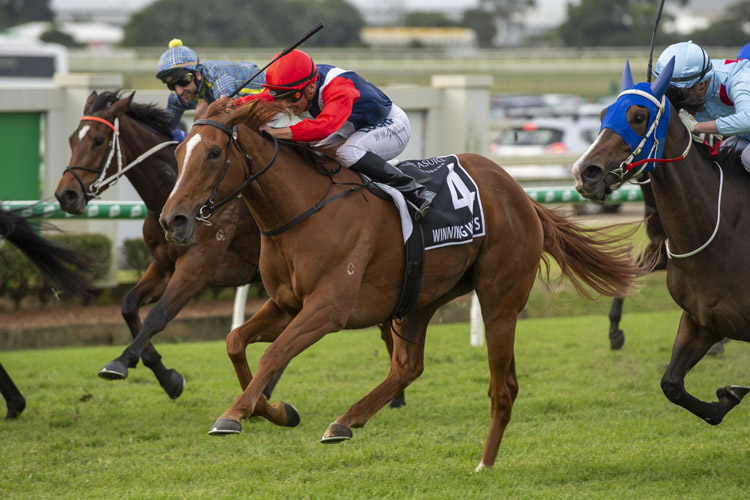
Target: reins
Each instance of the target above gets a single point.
(94, 190)
(716, 228)
(206, 210)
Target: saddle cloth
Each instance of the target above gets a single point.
(456, 216)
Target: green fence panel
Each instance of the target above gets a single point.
(19, 170)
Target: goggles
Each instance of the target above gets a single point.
(182, 80)
(292, 95)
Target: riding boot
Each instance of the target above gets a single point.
(380, 170)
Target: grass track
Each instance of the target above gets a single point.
(588, 423)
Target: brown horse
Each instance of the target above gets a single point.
(700, 203)
(63, 267)
(342, 267)
(225, 254)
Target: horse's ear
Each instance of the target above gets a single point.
(90, 101)
(121, 105)
(659, 87)
(200, 110)
(627, 77)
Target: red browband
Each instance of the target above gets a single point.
(100, 120)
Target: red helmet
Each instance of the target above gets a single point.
(294, 71)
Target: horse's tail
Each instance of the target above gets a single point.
(66, 268)
(596, 258)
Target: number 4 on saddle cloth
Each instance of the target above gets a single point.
(455, 218)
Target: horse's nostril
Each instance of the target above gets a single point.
(592, 173)
(178, 222)
(67, 198)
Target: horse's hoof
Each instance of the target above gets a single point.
(114, 370)
(15, 407)
(398, 401)
(225, 426)
(336, 433)
(174, 384)
(616, 340)
(734, 393)
(292, 415)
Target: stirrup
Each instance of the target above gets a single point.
(419, 213)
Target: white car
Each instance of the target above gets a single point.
(546, 137)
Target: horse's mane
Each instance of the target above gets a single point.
(148, 114)
(724, 155)
(264, 112)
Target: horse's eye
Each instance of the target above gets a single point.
(98, 141)
(639, 118)
(214, 154)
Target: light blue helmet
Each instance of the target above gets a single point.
(692, 64)
(176, 60)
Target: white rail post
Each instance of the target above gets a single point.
(477, 324)
(240, 299)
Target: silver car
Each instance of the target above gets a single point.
(546, 137)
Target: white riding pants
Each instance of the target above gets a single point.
(386, 139)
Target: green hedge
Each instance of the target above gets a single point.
(137, 256)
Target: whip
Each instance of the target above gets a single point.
(284, 52)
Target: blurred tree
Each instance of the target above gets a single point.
(13, 12)
(243, 23)
(504, 14)
(482, 24)
(54, 35)
(342, 19)
(597, 23)
(731, 29)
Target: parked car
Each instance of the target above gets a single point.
(546, 137)
(594, 109)
(523, 106)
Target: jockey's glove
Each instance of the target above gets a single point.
(178, 135)
(688, 120)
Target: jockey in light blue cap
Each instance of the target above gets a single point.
(691, 64)
(714, 94)
(191, 80)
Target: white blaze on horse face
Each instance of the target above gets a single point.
(577, 164)
(82, 132)
(188, 151)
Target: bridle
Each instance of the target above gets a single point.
(628, 165)
(101, 183)
(206, 210)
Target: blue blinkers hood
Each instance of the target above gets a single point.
(647, 95)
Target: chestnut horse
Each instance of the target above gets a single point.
(64, 268)
(342, 267)
(700, 203)
(225, 254)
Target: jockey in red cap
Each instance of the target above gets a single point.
(348, 112)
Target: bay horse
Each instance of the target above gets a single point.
(342, 267)
(224, 254)
(701, 204)
(63, 267)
